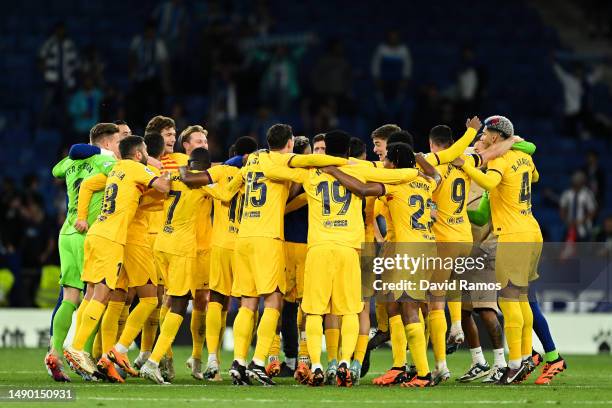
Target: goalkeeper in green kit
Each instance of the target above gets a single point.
(84, 161)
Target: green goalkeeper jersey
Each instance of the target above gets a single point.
(74, 172)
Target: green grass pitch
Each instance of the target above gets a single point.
(587, 382)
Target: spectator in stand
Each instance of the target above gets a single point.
(596, 177)
(332, 76)
(578, 208)
(171, 17)
(37, 244)
(58, 61)
(84, 108)
(580, 119)
(93, 66)
(469, 86)
(391, 70)
(279, 84)
(149, 75)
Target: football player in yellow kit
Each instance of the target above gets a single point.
(222, 281)
(508, 180)
(175, 251)
(140, 274)
(400, 155)
(104, 245)
(332, 281)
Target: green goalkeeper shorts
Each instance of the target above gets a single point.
(71, 260)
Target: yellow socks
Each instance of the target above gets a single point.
(198, 330)
(80, 312)
(265, 334)
(275, 347)
(527, 333)
(213, 327)
(169, 328)
(314, 334)
(360, 348)
(398, 341)
(122, 319)
(89, 320)
(109, 325)
(149, 331)
(513, 328)
(454, 309)
(332, 337)
(382, 318)
(415, 333)
(137, 319)
(243, 329)
(437, 327)
(350, 332)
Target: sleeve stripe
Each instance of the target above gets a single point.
(477, 159)
(497, 171)
(152, 181)
(209, 176)
(437, 159)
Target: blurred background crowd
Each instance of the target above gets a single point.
(238, 66)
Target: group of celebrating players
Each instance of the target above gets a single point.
(287, 227)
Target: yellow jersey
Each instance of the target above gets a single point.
(181, 208)
(368, 203)
(452, 223)
(511, 199)
(335, 215)
(150, 202)
(226, 222)
(263, 209)
(170, 162)
(410, 209)
(124, 187)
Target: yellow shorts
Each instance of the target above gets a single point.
(139, 265)
(222, 271)
(517, 258)
(367, 254)
(177, 272)
(201, 273)
(103, 260)
(447, 251)
(413, 283)
(260, 266)
(332, 281)
(295, 258)
(160, 278)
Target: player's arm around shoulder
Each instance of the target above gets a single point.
(88, 187)
(350, 178)
(488, 180)
(149, 177)
(276, 171)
